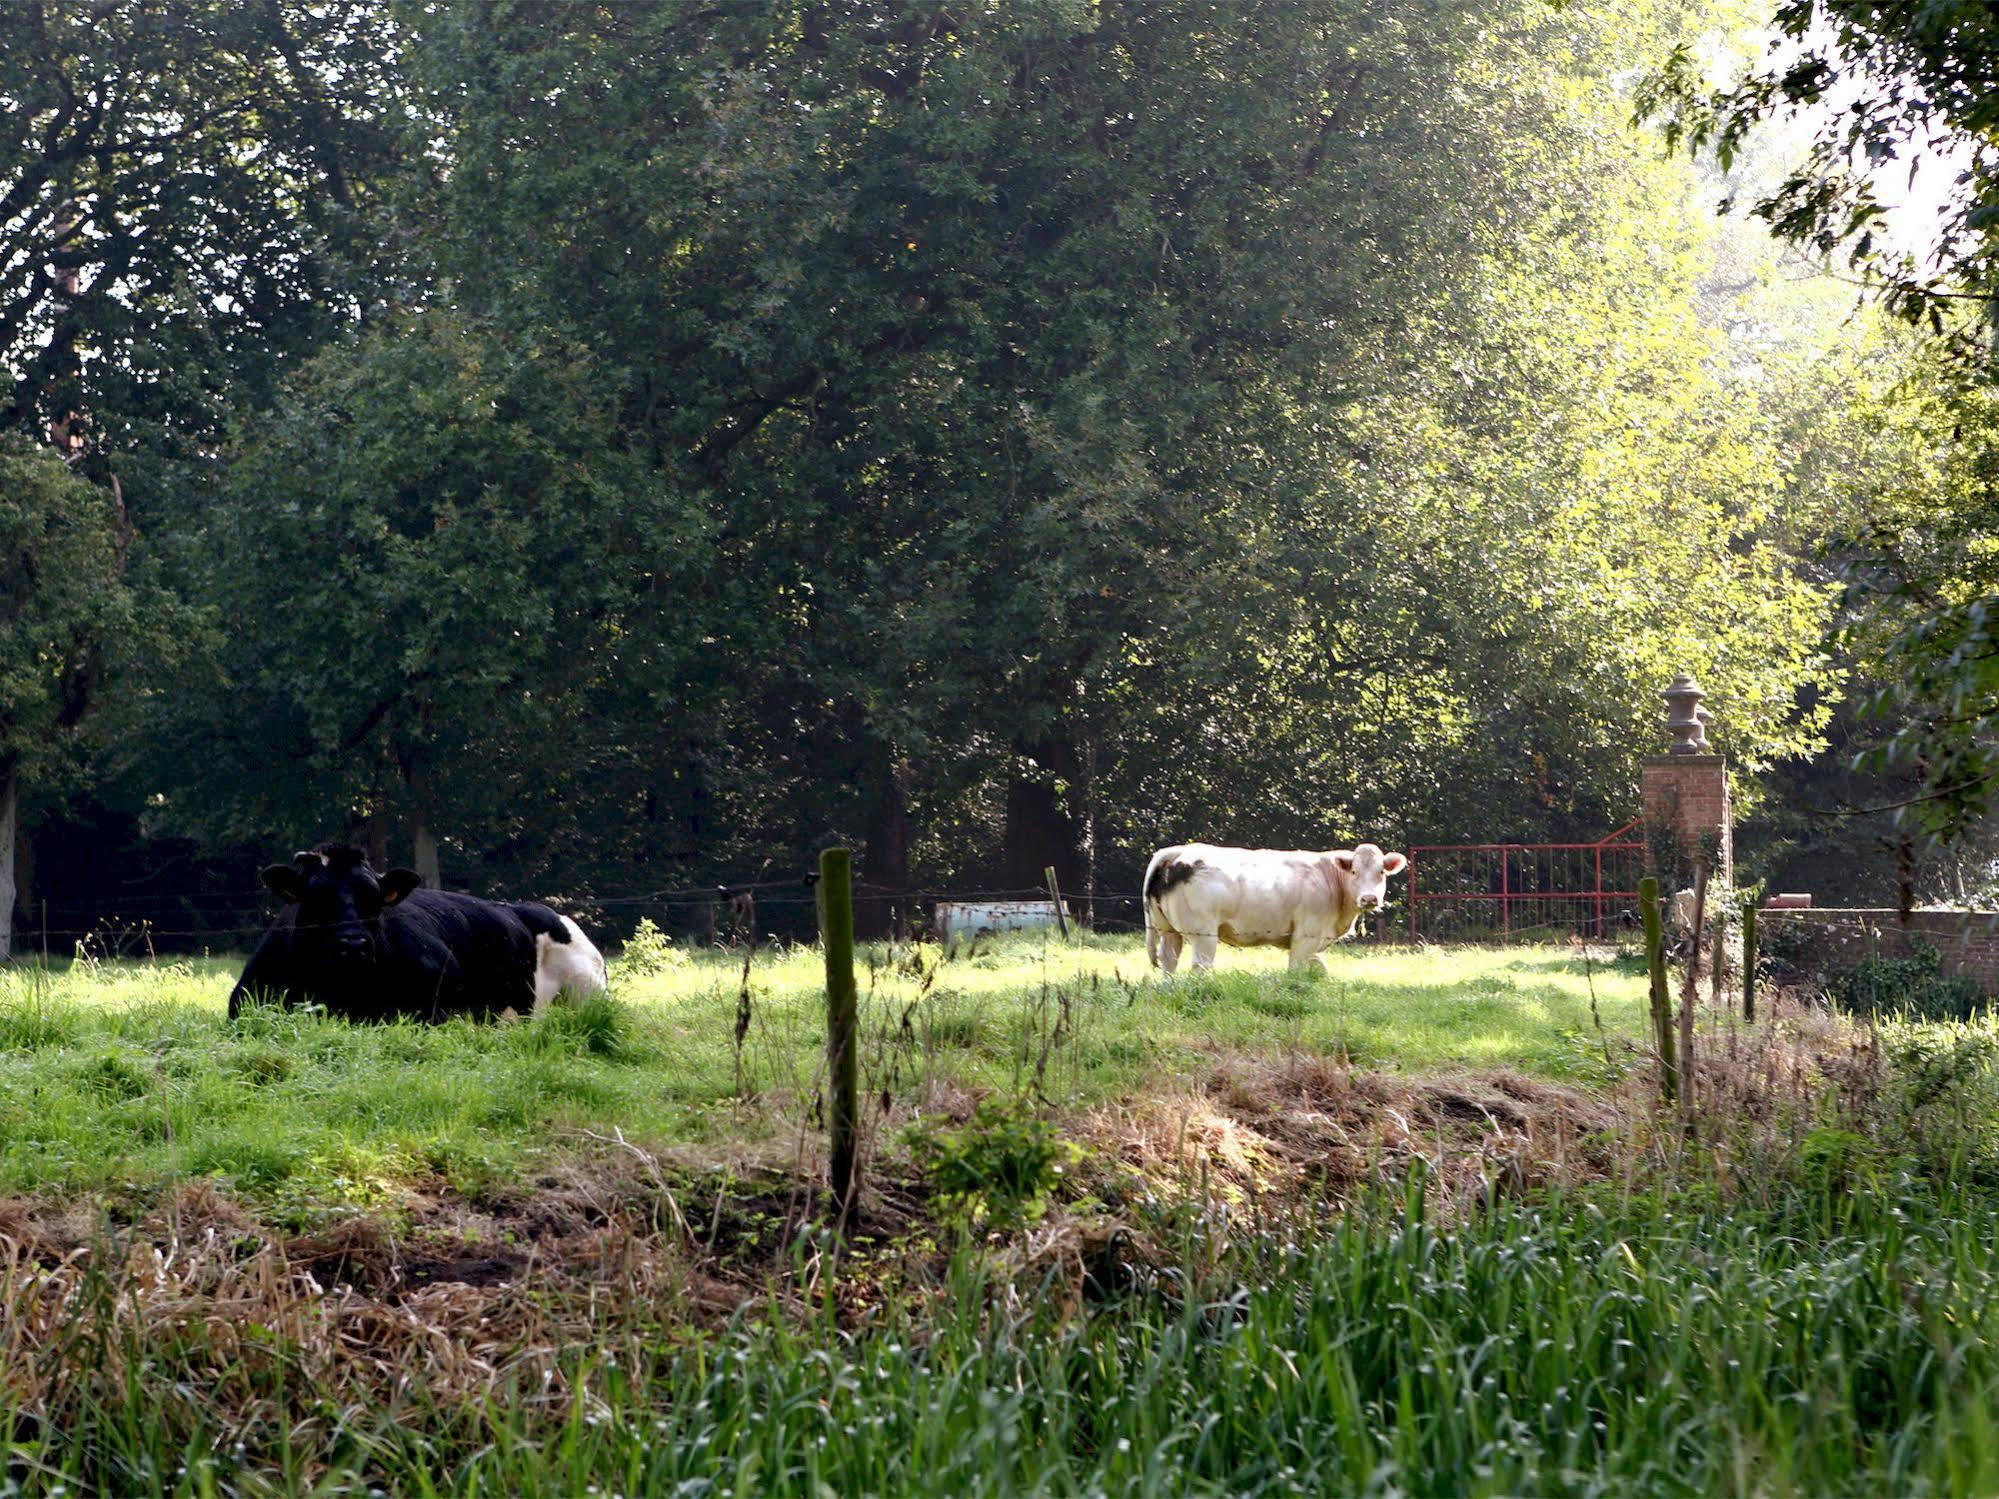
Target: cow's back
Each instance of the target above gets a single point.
(1248, 896)
(456, 954)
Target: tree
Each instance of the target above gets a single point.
(69, 616)
(1913, 81)
(1008, 346)
(1924, 604)
(1561, 481)
(427, 560)
(1003, 437)
(189, 200)
(186, 192)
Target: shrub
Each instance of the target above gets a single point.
(647, 952)
(1912, 985)
(1944, 1114)
(998, 1168)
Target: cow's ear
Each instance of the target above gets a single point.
(397, 883)
(1394, 863)
(1344, 858)
(286, 881)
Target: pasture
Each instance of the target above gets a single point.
(1404, 1227)
(522, 463)
(125, 1075)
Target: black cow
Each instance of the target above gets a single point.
(375, 947)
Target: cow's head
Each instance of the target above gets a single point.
(340, 901)
(1370, 868)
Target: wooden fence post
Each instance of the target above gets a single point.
(836, 935)
(1691, 988)
(1055, 894)
(1662, 1014)
(1749, 960)
(1719, 969)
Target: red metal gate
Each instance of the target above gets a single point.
(1470, 892)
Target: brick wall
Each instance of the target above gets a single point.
(1824, 939)
(1690, 793)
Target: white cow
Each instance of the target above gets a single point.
(1259, 897)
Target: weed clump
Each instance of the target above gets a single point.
(997, 1169)
(35, 1022)
(592, 1026)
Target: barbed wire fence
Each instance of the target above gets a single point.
(128, 922)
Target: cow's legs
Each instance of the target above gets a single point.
(1204, 949)
(1304, 957)
(1169, 951)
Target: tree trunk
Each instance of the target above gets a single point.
(425, 860)
(10, 827)
(25, 872)
(378, 838)
(421, 834)
(881, 913)
(1090, 830)
(1041, 826)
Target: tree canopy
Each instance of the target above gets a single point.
(1904, 94)
(69, 614)
(1900, 92)
(634, 443)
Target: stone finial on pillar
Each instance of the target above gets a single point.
(1686, 719)
(1686, 791)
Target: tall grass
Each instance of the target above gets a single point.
(1828, 1342)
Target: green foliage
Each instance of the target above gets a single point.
(210, 174)
(69, 614)
(997, 1169)
(1914, 84)
(1926, 609)
(1944, 1110)
(928, 431)
(451, 550)
(647, 953)
(1910, 82)
(1912, 985)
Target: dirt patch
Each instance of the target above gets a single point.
(357, 1313)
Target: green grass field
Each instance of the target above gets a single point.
(120, 1075)
(277, 1291)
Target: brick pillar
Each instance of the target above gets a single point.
(1689, 794)
(1686, 789)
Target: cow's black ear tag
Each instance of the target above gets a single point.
(397, 883)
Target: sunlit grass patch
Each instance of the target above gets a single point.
(129, 1073)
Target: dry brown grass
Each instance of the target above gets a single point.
(468, 1302)
(1298, 1126)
